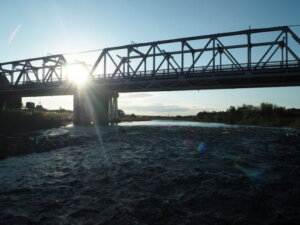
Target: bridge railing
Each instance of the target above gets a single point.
(199, 71)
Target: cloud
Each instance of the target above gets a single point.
(158, 108)
(138, 95)
(14, 33)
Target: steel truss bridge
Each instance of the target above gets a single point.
(265, 57)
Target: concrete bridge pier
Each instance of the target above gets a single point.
(10, 102)
(113, 108)
(80, 112)
(97, 106)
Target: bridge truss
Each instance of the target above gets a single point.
(247, 58)
(32, 71)
(205, 61)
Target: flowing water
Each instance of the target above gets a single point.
(157, 172)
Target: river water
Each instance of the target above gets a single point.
(157, 172)
(175, 123)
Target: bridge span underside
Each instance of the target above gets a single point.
(267, 57)
(199, 81)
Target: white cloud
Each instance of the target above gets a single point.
(158, 108)
(137, 95)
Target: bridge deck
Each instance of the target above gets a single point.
(273, 76)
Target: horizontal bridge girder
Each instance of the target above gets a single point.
(193, 81)
(226, 34)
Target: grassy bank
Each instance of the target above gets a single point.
(23, 120)
(264, 115)
(131, 118)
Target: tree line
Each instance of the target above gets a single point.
(266, 115)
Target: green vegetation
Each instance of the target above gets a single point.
(132, 117)
(264, 115)
(20, 120)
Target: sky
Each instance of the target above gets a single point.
(34, 28)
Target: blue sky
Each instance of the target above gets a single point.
(63, 26)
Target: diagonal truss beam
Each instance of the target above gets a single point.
(269, 49)
(200, 54)
(143, 59)
(166, 56)
(229, 55)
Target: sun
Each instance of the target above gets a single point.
(77, 73)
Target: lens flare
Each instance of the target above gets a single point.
(201, 147)
(252, 173)
(14, 33)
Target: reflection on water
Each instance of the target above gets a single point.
(175, 123)
(157, 175)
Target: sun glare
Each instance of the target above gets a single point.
(77, 73)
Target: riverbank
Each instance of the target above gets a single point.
(14, 121)
(266, 114)
(20, 144)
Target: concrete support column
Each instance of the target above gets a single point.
(81, 114)
(100, 108)
(116, 107)
(95, 105)
(113, 107)
(11, 102)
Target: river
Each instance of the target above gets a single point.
(157, 172)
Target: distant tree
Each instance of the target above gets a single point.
(121, 113)
(30, 105)
(246, 108)
(231, 109)
(201, 114)
(266, 109)
(279, 111)
(266, 114)
(39, 107)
